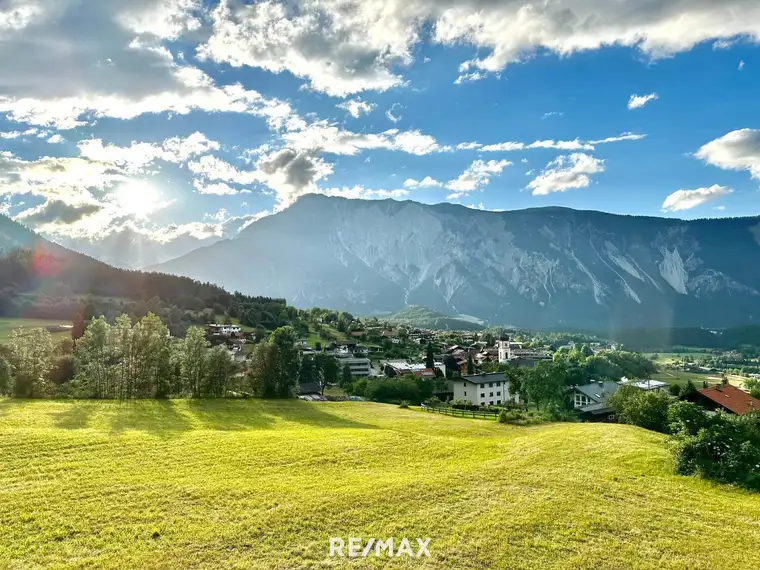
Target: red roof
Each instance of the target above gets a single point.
(731, 398)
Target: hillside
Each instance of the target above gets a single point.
(532, 268)
(252, 484)
(40, 279)
(423, 317)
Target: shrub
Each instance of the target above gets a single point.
(644, 409)
(404, 404)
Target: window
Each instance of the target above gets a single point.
(498, 393)
(465, 392)
(490, 385)
(490, 395)
(581, 400)
(483, 395)
(490, 403)
(498, 401)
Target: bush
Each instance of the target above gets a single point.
(644, 409)
(726, 450)
(404, 404)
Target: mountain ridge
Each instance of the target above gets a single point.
(533, 267)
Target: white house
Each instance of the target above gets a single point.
(646, 385)
(359, 367)
(484, 389)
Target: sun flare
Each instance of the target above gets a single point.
(137, 198)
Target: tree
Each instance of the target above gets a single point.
(94, 358)
(79, 326)
(689, 389)
(346, 378)
(288, 360)
(326, 366)
(640, 408)
(429, 360)
(193, 360)
(450, 365)
(470, 365)
(5, 377)
(219, 370)
(262, 370)
(543, 384)
(31, 359)
(489, 340)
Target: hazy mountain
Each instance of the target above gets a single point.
(131, 249)
(534, 268)
(423, 317)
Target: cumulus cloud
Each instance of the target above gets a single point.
(341, 47)
(122, 68)
(566, 172)
(217, 188)
(475, 177)
(57, 211)
(291, 173)
(687, 199)
(737, 150)
(356, 107)
(638, 101)
(426, 182)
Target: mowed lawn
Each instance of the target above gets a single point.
(252, 484)
(8, 325)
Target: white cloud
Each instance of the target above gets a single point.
(741, 65)
(468, 146)
(324, 137)
(638, 101)
(122, 68)
(737, 150)
(475, 177)
(552, 114)
(56, 211)
(577, 144)
(210, 167)
(360, 192)
(619, 138)
(217, 188)
(389, 113)
(56, 139)
(356, 107)
(566, 172)
(426, 182)
(687, 199)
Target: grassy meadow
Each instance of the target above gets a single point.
(264, 485)
(8, 325)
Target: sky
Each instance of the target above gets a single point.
(181, 119)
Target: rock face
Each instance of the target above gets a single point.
(540, 267)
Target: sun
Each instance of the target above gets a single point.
(137, 198)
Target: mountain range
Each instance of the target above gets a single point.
(535, 268)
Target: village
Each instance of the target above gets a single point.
(468, 368)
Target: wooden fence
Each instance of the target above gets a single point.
(449, 411)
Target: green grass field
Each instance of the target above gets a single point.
(264, 485)
(8, 325)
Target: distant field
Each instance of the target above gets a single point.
(681, 378)
(264, 485)
(7, 325)
(667, 357)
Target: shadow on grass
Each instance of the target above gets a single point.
(264, 414)
(168, 418)
(158, 417)
(76, 416)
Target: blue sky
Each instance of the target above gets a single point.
(181, 118)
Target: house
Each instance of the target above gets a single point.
(359, 367)
(590, 400)
(357, 334)
(726, 397)
(483, 389)
(646, 385)
(224, 330)
(509, 351)
(310, 391)
(404, 368)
